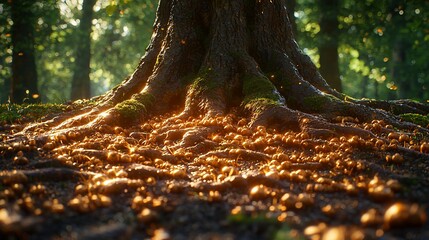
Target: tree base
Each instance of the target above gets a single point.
(254, 120)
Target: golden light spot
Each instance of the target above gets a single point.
(20, 54)
(282, 217)
(386, 59)
(35, 96)
(392, 86)
(104, 114)
(379, 233)
(236, 210)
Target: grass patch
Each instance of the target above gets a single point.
(12, 113)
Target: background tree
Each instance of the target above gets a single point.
(328, 42)
(81, 80)
(5, 51)
(24, 74)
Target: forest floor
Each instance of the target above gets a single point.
(212, 179)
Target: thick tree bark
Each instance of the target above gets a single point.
(291, 6)
(328, 42)
(24, 73)
(209, 57)
(81, 85)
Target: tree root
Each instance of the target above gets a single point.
(241, 65)
(44, 175)
(243, 154)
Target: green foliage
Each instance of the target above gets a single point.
(121, 32)
(380, 48)
(119, 41)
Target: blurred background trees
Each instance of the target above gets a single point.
(373, 49)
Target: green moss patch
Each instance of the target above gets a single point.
(204, 80)
(422, 120)
(259, 93)
(318, 102)
(28, 112)
(135, 107)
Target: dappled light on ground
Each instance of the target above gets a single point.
(213, 177)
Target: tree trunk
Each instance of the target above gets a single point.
(328, 42)
(81, 82)
(291, 6)
(24, 74)
(212, 57)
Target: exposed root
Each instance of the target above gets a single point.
(241, 154)
(44, 175)
(396, 106)
(139, 171)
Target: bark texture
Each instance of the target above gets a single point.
(210, 57)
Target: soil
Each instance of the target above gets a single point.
(213, 179)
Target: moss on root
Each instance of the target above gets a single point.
(259, 93)
(319, 102)
(203, 81)
(422, 120)
(134, 108)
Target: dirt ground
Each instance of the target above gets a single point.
(213, 179)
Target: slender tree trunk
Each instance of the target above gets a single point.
(328, 42)
(364, 87)
(396, 73)
(81, 82)
(376, 90)
(24, 73)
